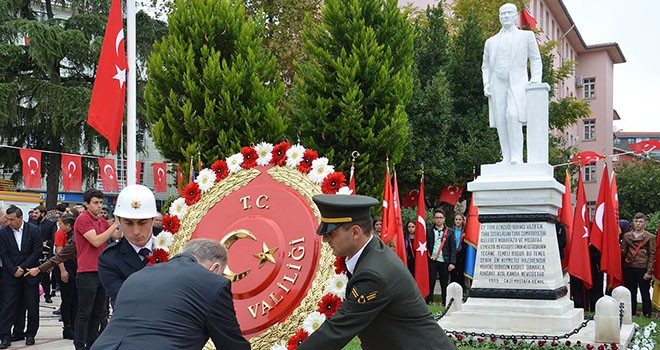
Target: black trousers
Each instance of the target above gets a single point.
(436, 269)
(19, 296)
(633, 277)
(91, 300)
(69, 293)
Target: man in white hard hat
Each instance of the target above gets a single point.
(135, 211)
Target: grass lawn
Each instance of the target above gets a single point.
(355, 343)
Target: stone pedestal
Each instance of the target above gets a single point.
(518, 286)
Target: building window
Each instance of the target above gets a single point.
(631, 140)
(589, 88)
(589, 130)
(589, 173)
(617, 141)
(591, 205)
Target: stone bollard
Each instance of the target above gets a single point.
(607, 320)
(622, 295)
(454, 290)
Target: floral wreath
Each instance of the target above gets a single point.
(306, 161)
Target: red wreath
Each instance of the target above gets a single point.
(329, 305)
(297, 339)
(191, 193)
(249, 157)
(159, 256)
(171, 223)
(221, 170)
(309, 156)
(333, 182)
(279, 153)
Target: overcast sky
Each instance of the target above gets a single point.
(634, 26)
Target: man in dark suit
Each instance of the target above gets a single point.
(383, 305)
(441, 245)
(135, 210)
(177, 305)
(20, 249)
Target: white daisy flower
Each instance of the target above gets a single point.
(179, 208)
(313, 321)
(345, 191)
(163, 241)
(278, 346)
(294, 155)
(205, 179)
(320, 169)
(265, 152)
(337, 285)
(234, 163)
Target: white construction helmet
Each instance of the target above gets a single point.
(136, 202)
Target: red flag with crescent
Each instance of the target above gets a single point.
(72, 172)
(645, 146)
(106, 109)
(421, 262)
(31, 168)
(586, 157)
(160, 177)
(566, 218)
(451, 194)
(579, 262)
(108, 174)
(410, 199)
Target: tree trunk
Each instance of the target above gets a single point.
(53, 179)
(49, 10)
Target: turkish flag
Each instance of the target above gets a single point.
(421, 262)
(410, 199)
(566, 218)
(160, 177)
(597, 227)
(72, 172)
(31, 167)
(451, 194)
(586, 157)
(396, 224)
(472, 231)
(645, 146)
(179, 178)
(387, 205)
(610, 261)
(615, 196)
(579, 261)
(527, 20)
(351, 183)
(138, 170)
(108, 174)
(106, 109)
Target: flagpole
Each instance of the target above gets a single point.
(131, 141)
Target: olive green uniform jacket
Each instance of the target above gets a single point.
(383, 306)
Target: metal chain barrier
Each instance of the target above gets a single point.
(621, 307)
(451, 301)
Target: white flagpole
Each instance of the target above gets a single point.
(131, 142)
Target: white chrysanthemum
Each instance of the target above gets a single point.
(179, 208)
(265, 152)
(234, 163)
(163, 241)
(337, 285)
(205, 179)
(294, 155)
(278, 346)
(313, 321)
(345, 190)
(320, 169)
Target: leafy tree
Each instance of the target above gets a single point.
(431, 42)
(212, 87)
(45, 86)
(638, 185)
(486, 11)
(353, 86)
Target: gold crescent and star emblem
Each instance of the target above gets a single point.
(266, 255)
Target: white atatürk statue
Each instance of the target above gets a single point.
(504, 70)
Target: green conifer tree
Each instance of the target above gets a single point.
(212, 87)
(353, 87)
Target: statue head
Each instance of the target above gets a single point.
(508, 14)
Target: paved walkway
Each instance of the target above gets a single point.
(49, 336)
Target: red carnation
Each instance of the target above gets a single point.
(329, 305)
(279, 153)
(171, 223)
(298, 338)
(305, 165)
(159, 256)
(333, 182)
(221, 170)
(249, 157)
(191, 193)
(340, 264)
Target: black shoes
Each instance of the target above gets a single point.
(17, 337)
(29, 341)
(57, 312)
(48, 299)
(67, 332)
(5, 344)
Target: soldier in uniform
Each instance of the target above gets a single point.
(383, 305)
